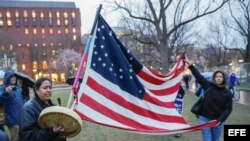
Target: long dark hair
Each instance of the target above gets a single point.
(39, 82)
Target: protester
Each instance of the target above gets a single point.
(179, 103)
(3, 136)
(232, 81)
(10, 96)
(186, 79)
(29, 127)
(24, 90)
(2, 117)
(217, 103)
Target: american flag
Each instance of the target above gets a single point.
(118, 91)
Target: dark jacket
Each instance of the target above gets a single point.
(217, 104)
(29, 129)
(12, 101)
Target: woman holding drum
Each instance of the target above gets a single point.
(30, 130)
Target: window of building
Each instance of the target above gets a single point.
(66, 30)
(50, 19)
(1, 21)
(35, 66)
(23, 67)
(34, 18)
(53, 53)
(51, 31)
(74, 37)
(34, 55)
(35, 31)
(26, 31)
(17, 19)
(9, 22)
(17, 22)
(43, 31)
(26, 22)
(59, 31)
(66, 22)
(58, 22)
(8, 15)
(73, 20)
(65, 16)
(45, 65)
(42, 19)
(11, 47)
(74, 30)
(44, 54)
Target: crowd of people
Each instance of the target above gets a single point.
(20, 113)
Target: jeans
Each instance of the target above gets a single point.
(211, 134)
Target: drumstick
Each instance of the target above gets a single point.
(59, 101)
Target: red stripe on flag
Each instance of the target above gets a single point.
(167, 91)
(130, 106)
(100, 108)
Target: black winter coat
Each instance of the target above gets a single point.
(29, 129)
(217, 104)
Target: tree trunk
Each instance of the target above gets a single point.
(164, 58)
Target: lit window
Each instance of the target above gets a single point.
(58, 22)
(41, 14)
(57, 14)
(51, 31)
(73, 20)
(65, 14)
(8, 14)
(66, 30)
(1, 23)
(74, 37)
(51, 44)
(53, 52)
(25, 13)
(34, 31)
(35, 66)
(9, 23)
(43, 31)
(17, 13)
(11, 47)
(23, 67)
(45, 65)
(33, 13)
(1, 14)
(42, 19)
(66, 22)
(59, 31)
(74, 30)
(44, 45)
(50, 19)
(26, 31)
(73, 14)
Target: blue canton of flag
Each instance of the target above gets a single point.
(109, 61)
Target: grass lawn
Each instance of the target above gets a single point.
(94, 132)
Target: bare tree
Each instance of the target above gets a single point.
(160, 21)
(239, 22)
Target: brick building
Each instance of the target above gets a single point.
(32, 32)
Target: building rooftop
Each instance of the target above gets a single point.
(48, 4)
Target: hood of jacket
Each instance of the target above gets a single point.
(7, 75)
